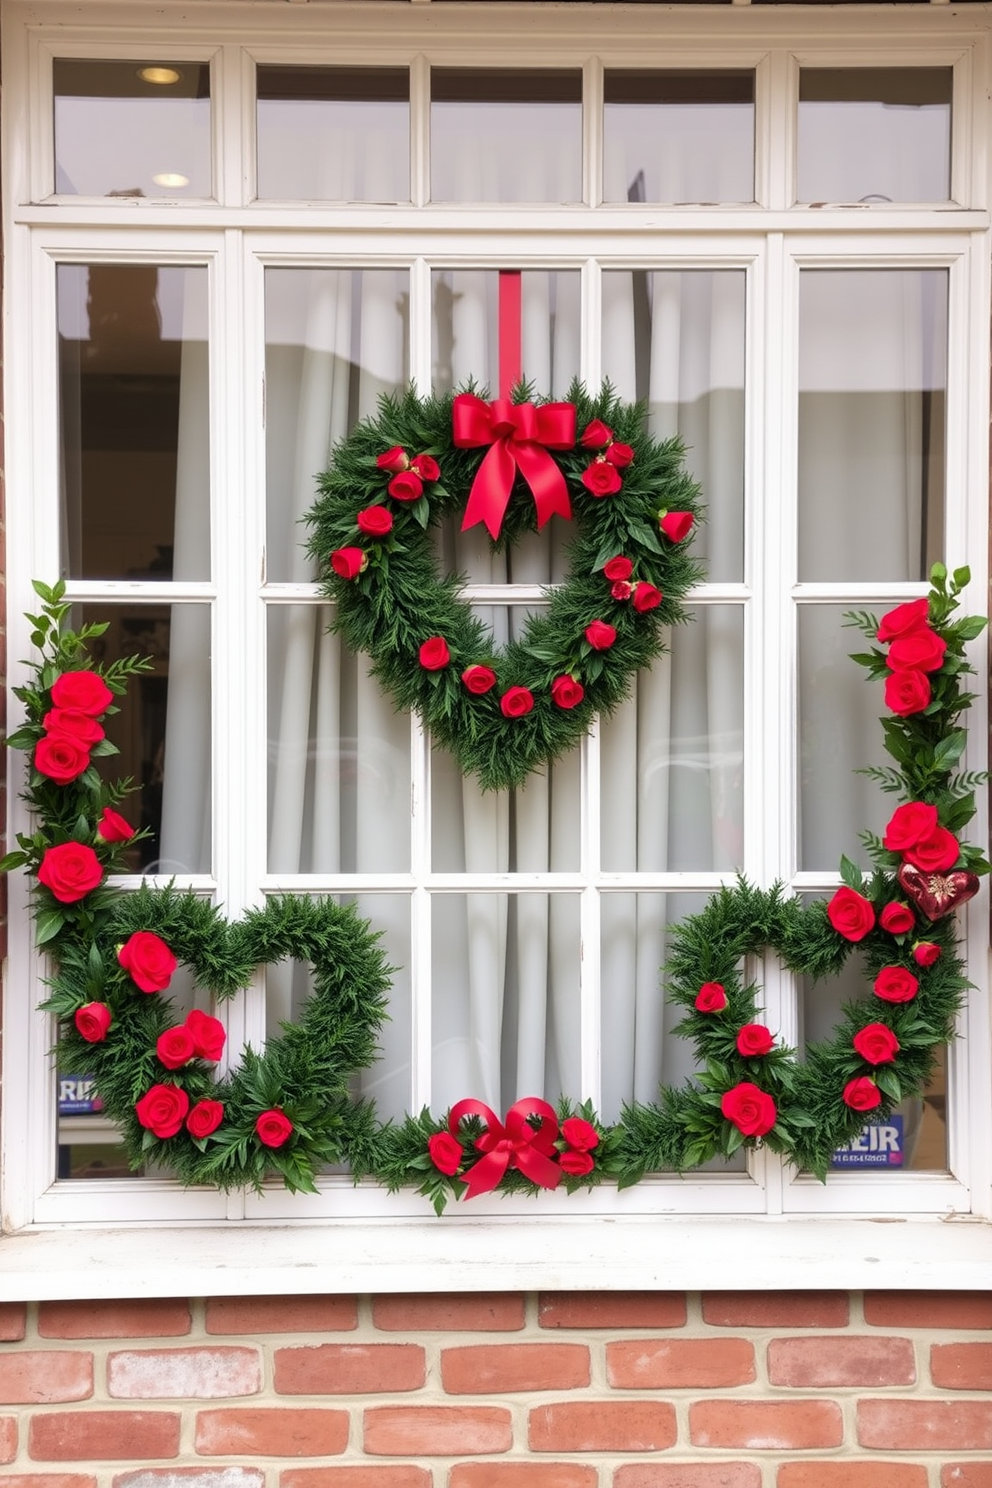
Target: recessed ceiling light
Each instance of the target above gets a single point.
(161, 75)
(170, 178)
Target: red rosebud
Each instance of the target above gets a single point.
(711, 998)
(84, 690)
(620, 455)
(426, 467)
(936, 853)
(70, 871)
(567, 692)
(897, 918)
(75, 724)
(595, 435)
(273, 1128)
(516, 701)
(434, 654)
(576, 1164)
(851, 914)
(60, 758)
(92, 1021)
(393, 460)
(162, 1109)
(907, 691)
(147, 960)
(407, 486)
(479, 679)
(348, 563)
(751, 1110)
(375, 520)
(205, 1117)
(646, 597)
(904, 619)
(208, 1035)
(618, 568)
(896, 984)
(753, 1040)
(175, 1047)
(862, 1094)
(113, 828)
(580, 1134)
(601, 478)
(600, 635)
(676, 525)
(446, 1152)
(908, 824)
(876, 1043)
(923, 649)
(926, 952)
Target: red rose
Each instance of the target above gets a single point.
(446, 1152)
(646, 597)
(595, 435)
(273, 1128)
(375, 520)
(907, 691)
(897, 918)
(620, 455)
(904, 619)
(751, 1110)
(148, 961)
(896, 984)
(393, 460)
(676, 525)
(576, 1164)
(711, 998)
(601, 478)
(93, 1020)
(621, 590)
(876, 1043)
(908, 824)
(580, 1134)
(60, 758)
(850, 914)
(516, 701)
(479, 679)
(600, 635)
(926, 952)
(434, 654)
(426, 467)
(567, 692)
(862, 1094)
(924, 650)
(618, 568)
(70, 871)
(207, 1033)
(86, 691)
(348, 563)
(205, 1117)
(75, 724)
(407, 486)
(175, 1047)
(753, 1040)
(113, 828)
(936, 853)
(162, 1109)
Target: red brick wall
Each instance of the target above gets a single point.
(593, 1390)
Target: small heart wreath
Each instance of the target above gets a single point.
(504, 712)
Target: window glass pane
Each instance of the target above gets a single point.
(132, 128)
(671, 756)
(872, 411)
(874, 134)
(162, 730)
(506, 134)
(505, 997)
(339, 754)
(134, 419)
(675, 341)
(465, 340)
(334, 133)
(839, 734)
(335, 340)
(678, 136)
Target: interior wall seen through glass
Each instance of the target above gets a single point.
(678, 137)
(506, 135)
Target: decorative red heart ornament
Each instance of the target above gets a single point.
(937, 894)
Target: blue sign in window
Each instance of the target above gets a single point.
(877, 1145)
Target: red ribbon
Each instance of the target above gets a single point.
(515, 1145)
(521, 435)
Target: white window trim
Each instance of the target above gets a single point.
(942, 1237)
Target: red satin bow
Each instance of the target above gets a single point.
(521, 435)
(515, 1145)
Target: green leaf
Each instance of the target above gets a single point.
(23, 738)
(48, 925)
(12, 860)
(851, 874)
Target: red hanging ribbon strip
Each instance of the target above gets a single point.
(521, 435)
(510, 331)
(515, 1145)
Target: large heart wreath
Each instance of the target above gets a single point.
(509, 466)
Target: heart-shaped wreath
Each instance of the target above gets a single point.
(509, 466)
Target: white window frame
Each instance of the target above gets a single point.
(671, 1232)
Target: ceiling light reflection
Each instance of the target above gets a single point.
(160, 75)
